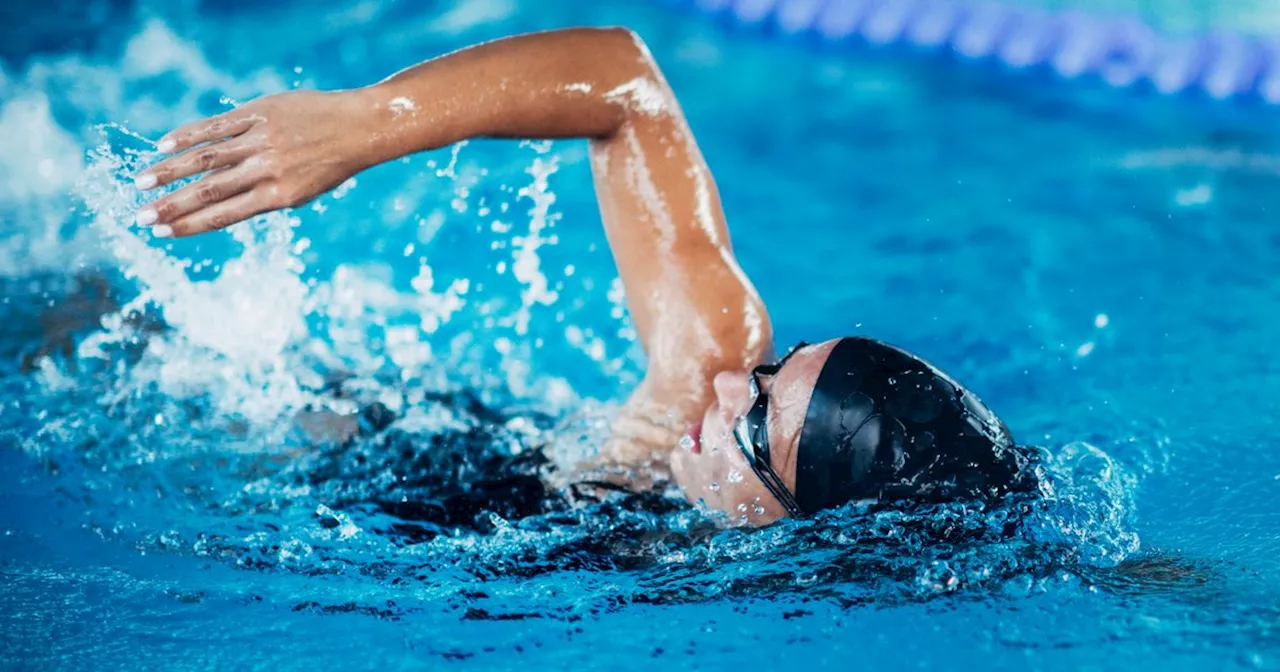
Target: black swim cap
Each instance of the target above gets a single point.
(886, 425)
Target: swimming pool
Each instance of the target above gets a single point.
(1097, 264)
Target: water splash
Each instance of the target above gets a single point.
(355, 498)
(31, 199)
(349, 504)
(1089, 498)
(527, 264)
(231, 338)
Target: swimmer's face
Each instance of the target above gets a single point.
(714, 472)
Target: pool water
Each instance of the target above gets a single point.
(1097, 265)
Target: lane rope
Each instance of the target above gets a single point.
(1120, 51)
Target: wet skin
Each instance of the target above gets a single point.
(700, 320)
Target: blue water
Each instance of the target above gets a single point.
(1098, 265)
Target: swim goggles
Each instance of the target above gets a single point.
(751, 433)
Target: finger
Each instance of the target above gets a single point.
(208, 190)
(194, 162)
(225, 125)
(220, 215)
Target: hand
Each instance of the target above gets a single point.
(276, 152)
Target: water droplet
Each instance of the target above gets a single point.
(714, 487)
(742, 508)
(759, 510)
(686, 442)
(735, 476)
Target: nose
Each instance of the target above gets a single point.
(733, 392)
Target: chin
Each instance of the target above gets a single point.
(684, 471)
(694, 474)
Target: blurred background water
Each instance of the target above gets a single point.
(1097, 264)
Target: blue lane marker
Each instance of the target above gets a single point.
(1120, 51)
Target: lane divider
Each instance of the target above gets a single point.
(1120, 51)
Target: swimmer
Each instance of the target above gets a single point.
(738, 429)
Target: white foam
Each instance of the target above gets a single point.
(41, 162)
(38, 159)
(228, 335)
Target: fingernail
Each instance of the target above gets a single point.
(145, 181)
(162, 231)
(147, 216)
(166, 145)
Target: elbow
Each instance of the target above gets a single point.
(627, 79)
(637, 84)
(628, 44)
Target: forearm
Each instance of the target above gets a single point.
(568, 83)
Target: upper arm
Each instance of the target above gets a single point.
(694, 309)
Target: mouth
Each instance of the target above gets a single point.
(692, 439)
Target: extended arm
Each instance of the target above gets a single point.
(282, 150)
(694, 309)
